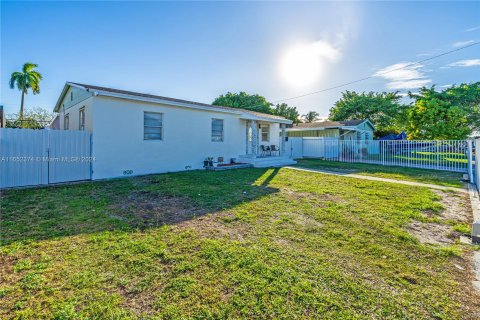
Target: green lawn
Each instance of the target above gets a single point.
(443, 178)
(249, 243)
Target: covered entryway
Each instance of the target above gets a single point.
(265, 144)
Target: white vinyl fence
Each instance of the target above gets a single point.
(38, 157)
(448, 155)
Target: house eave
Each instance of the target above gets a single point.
(64, 92)
(311, 129)
(60, 99)
(161, 101)
(242, 114)
(246, 116)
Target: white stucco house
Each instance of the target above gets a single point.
(135, 133)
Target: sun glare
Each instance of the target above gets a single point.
(303, 64)
(300, 65)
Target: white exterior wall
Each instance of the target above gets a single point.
(74, 115)
(274, 136)
(118, 143)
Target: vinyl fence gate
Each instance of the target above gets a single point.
(40, 157)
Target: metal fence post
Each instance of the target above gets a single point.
(477, 167)
(382, 150)
(470, 164)
(476, 214)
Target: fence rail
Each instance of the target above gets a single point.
(448, 155)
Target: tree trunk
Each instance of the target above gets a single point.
(21, 105)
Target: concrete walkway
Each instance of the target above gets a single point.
(358, 176)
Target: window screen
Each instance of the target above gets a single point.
(217, 130)
(81, 119)
(66, 122)
(152, 126)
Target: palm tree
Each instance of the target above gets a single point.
(311, 116)
(28, 78)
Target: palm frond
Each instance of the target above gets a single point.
(29, 66)
(15, 78)
(37, 75)
(27, 79)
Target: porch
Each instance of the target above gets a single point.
(265, 144)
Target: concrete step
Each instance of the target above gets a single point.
(268, 161)
(274, 164)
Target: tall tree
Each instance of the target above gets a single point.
(311, 116)
(452, 113)
(383, 109)
(26, 79)
(283, 110)
(243, 100)
(437, 119)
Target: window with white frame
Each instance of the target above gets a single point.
(81, 119)
(217, 130)
(66, 122)
(152, 126)
(265, 131)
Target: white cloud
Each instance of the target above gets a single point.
(403, 75)
(465, 63)
(410, 84)
(473, 29)
(462, 43)
(326, 50)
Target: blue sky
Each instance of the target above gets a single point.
(199, 50)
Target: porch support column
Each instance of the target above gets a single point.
(254, 142)
(284, 134)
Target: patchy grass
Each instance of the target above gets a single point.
(443, 178)
(462, 228)
(253, 243)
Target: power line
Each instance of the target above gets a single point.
(380, 73)
(358, 80)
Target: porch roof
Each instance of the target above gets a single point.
(258, 116)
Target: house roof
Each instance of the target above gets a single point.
(97, 90)
(329, 124)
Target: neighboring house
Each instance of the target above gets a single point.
(334, 130)
(136, 133)
(332, 139)
(55, 124)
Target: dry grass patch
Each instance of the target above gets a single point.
(444, 227)
(153, 209)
